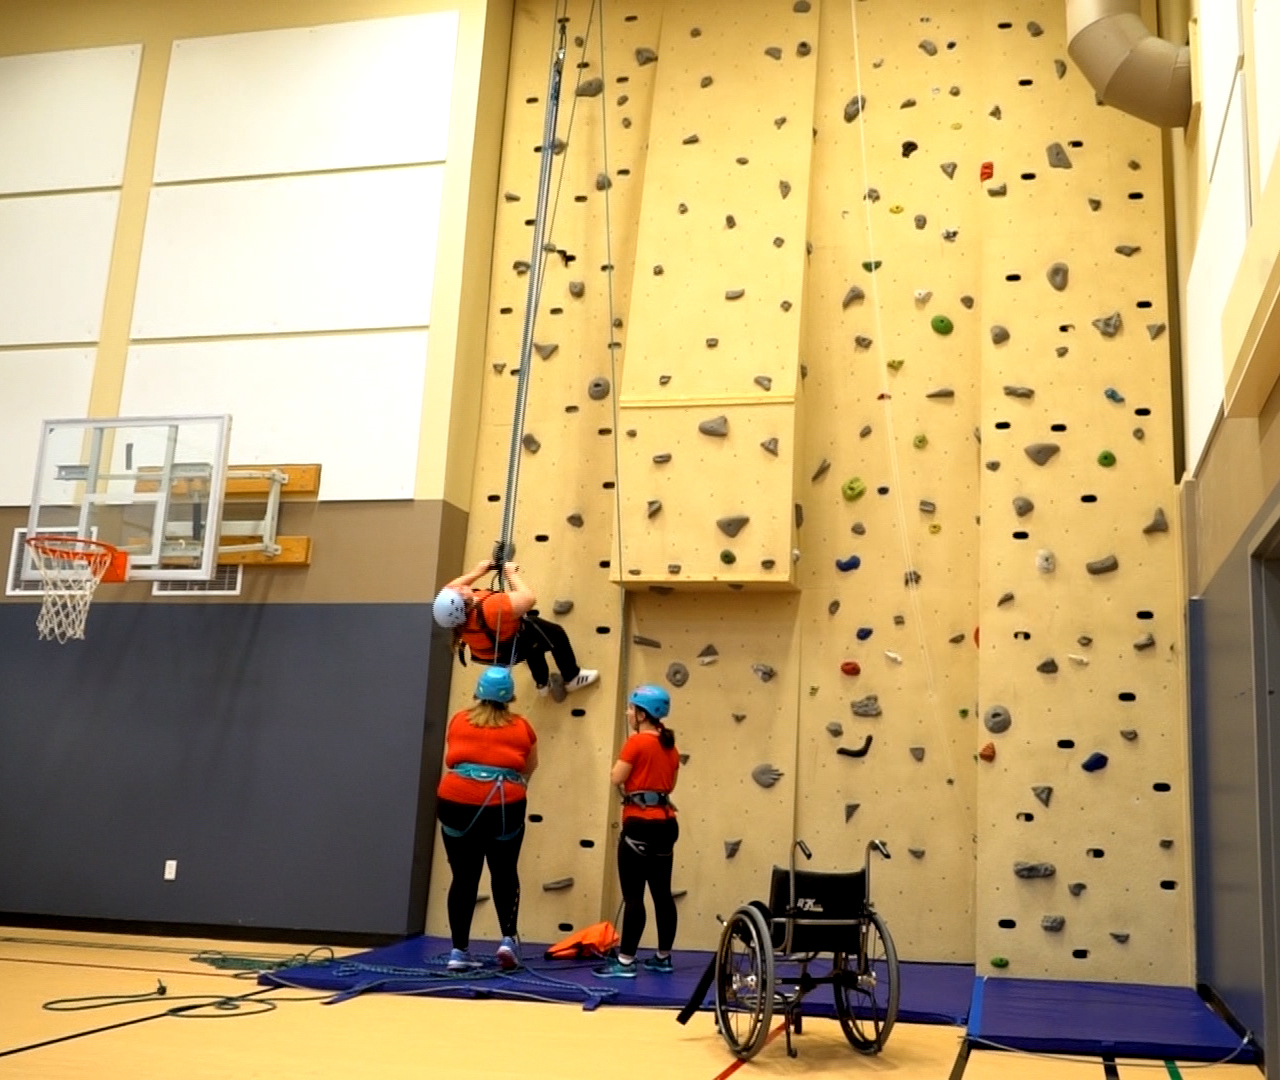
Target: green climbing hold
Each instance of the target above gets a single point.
(941, 325)
(964, 714)
(871, 267)
(728, 557)
(999, 961)
(1106, 459)
(895, 365)
(920, 441)
(853, 489)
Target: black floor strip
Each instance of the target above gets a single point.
(1109, 1067)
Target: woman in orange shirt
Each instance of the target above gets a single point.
(646, 771)
(490, 753)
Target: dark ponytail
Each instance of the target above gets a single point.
(666, 737)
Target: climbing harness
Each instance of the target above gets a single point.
(497, 777)
(647, 799)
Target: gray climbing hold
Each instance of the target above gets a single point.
(511, 196)
(770, 445)
(1128, 734)
(928, 506)
(690, 140)
(1048, 666)
(661, 459)
(731, 848)
(773, 52)
(735, 294)
(1147, 641)
(941, 392)
(854, 108)
(1061, 351)
(1076, 888)
(1053, 924)
(546, 352)
(833, 607)
(562, 607)
(999, 335)
(717, 426)
(908, 103)
(899, 620)
(997, 719)
(916, 852)
(799, 515)
(1046, 562)
(575, 520)
(738, 717)
(999, 191)
(1139, 434)
(910, 578)
(658, 271)
(764, 382)
(705, 81)
(530, 443)
(731, 526)
(784, 186)
(1034, 28)
(766, 775)
(653, 508)
(1095, 204)
(1166, 843)
(576, 289)
(835, 729)
(1159, 523)
(858, 529)
(850, 808)
(677, 674)
(917, 752)
(996, 113)
(646, 642)
(1019, 391)
(1022, 506)
(1103, 566)
(712, 342)
(1043, 792)
(557, 885)
(967, 302)
(764, 672)
(928, 48)
(520, 266)
(854, 294)
(1155, 329)
(1110, 325)
(872, 195)
(1119, 936)
(957, 639)
(590, 87)
(920, 221)
(993, 466)
(1029, 870)
(862, 341)
(949, 167)
(645, 55)
(1058, 158)
(499, 367)
(767, 564)
(1005, 598)
(603, 183)
(1058, 275)
(821, 470)
(866, 706)
(663, 380)
(1084, 641)
(801, 7)
(598, 388)
(673, 568)
(1060, 66)
(1127, 250)
(1042, 452)
(954, 91)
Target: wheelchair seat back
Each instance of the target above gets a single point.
(827, 912)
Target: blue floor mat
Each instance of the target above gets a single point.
(1162, 1022)
(931, 993)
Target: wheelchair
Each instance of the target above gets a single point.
(809, 913)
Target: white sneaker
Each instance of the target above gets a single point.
(585, 677)
(543, 691)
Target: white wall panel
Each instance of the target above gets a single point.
(329, 252)
(1266, 48)
(55, 254)
(65, 117)
(36, 385)
(352, 402)
(1221, 48)
(326, 97)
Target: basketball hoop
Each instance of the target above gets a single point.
(71, 568)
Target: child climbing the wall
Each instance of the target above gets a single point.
(504, 628)
(646, 772)
(490, 753)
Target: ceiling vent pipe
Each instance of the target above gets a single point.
(1128, 66)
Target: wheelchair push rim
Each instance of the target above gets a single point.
(744, 981)
(866, 987)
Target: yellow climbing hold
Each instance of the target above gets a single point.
(853, 488)
(935, 528)
(920, 441)
(895, 365)
(896, 208)
(956, 126)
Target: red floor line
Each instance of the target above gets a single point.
(739, 1062)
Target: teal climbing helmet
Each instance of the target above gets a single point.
(495, 684)
(652, 699)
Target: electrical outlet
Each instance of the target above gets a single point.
(170, 869)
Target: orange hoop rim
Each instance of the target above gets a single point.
(106, 560)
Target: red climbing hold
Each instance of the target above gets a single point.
(975, 635)
(988, 170)
(988, 752)
(851, 667)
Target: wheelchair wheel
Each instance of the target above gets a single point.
(867, 986)
(744, 982)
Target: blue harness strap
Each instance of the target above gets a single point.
(487, 774)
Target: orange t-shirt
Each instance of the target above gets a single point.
(494, 611)
(652, 769)
(505, 747)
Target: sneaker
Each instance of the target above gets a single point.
(557, 687)
(543, 691)
(460, 960)
(585, 677)
(660, 964)
(507, 956)
(613, 968)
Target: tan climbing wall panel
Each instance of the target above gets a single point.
(1101, 829)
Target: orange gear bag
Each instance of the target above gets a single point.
(590, 941)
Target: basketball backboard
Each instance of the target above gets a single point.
(150, 486)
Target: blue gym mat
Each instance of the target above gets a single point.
(931, 993)
(1162, 1022)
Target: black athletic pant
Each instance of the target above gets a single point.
(645, 855)
(467, 856)
(536, 638)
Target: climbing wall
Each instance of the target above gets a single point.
(838, 325)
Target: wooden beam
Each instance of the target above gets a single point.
(294, 551)
(303, 482)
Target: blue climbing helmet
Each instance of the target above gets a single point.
(652, 699)
(450, 609)
(495, 684)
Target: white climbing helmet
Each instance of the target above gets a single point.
(450, 609)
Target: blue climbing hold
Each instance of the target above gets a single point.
(1112, 394)
(1094, 762)
(864, 632)
(851, 563)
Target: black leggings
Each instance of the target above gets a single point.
(645, 855)
(536, 638)
(467, 855)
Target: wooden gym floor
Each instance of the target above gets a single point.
(385, 1037)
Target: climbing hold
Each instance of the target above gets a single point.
(731, 526)
(1022, 506)
(1058, 158)
(894, 365)
(511, 196)
(766, 775)
(927, 506)
(763, 672)
(1076, 888)
(862, 341)
(705, 81)
(911, 578)
(864, 431)
(646, 642)
(920, 441)
(986, 171)
(1058, 275)
(999, 962)
(738, 717)
(920, 221)
(923, 296)
(784, 187)
(916, 852)
(860, 752)
(1139, 434)
(988, 752)
(941, 325)
(1018, 391)
(1147, 641)
(1048, 666)
(773, 52)
(767, 564)
(645, 55)
(1095, 204)
(941, 392)
(893, 657)
(520, 266)
(590, 88)
(1042, 453)
(1120, 937)
(575, 520)
(850, 808)
(854, 108)
(1043, 792)
(864, 632)
(858, 529)
(1159, 523)
(956, 639)
(966, 302)
(658, 271)
(1084, 641)
(677, 674)
(1128, 734)
(1034, 28)
(851, 667)
(1005, 598)
(1155, 330)
(917, 752)
(997, 719)
(1166, 843)
(653, 508)
(717, 427)
(728, 557)
(663, 380)
(735, 294)
(999, 191)
(1110, 325)
(598, 388)
(731, 848)
(603, 183)
(867, 706)
(852, 296)
(690, 140)
(576, 289)
(1127, 250)
(499, 367)
(872, 195)
(853, 489)
(996, 113)
(949, 167)
(928, 48)
(993, 466)
(835, 729)
(821, 470)
(871, 266)
(851, 563)
(530, 443)
(833, 607)
(1029, 870)
(1053, 924)
(1103, 566)
(1060, 66)
(1061, 351)
(1112, 394)
(557, 885)
(661, 459)
(1046, 563)
(1095, 761)
(1106, 459)
(770, 445)
(909, 147)
(778, 121)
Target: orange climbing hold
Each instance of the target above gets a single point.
(988, 752)
(851, 667)
(988, 170)
(975, 635)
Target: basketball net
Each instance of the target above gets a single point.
(71, 568)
